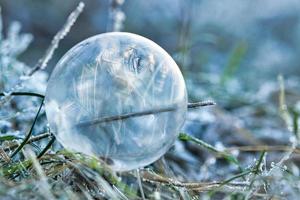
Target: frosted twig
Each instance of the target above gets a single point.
(116, 16)
(201, 104)
(42, 63)
(195, 186)
(141, 113)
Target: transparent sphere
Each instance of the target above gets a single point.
(97, 86)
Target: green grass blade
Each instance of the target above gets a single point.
(230, 158)
(29, 133)
(24, 94)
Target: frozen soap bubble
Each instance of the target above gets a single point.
(99, 83)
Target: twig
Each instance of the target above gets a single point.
(142, 113)
(195, 186)
(126, 116)
(201, 104)
(42, 63)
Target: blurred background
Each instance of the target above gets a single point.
(202, 35)
(231, 51)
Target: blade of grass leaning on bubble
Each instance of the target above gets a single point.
(26, 139)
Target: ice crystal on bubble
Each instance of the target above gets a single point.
(116, 74)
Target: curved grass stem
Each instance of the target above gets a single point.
(26, 139)
(24, 94)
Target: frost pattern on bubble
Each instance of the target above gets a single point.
(115, 74)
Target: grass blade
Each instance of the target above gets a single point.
(230, 158)
(26, 139)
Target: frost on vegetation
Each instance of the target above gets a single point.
(11, 69)
(17, 76)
